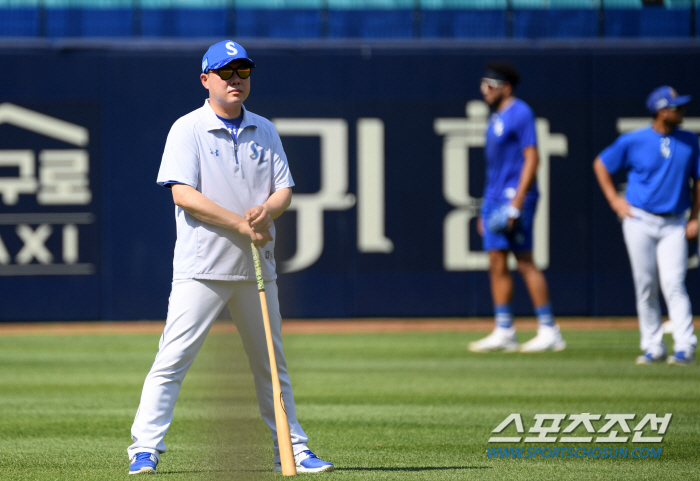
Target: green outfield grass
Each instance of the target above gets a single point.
(380, 406)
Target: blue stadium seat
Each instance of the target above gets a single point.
(370, 18)
(280, 23)
(347, 18)
(317, 4)
(622, 4)
(662, 22)
(555, 18)
(183, 18)
(463, 18)
(370, 4)
(89, 22)
(452, 5)
(529, 4)
(370, 23)
(556, 4)
(555, 23)
(251, 18)
(278, 18)
(649, 21)
(575, 4)
(19, 22)
(280, 4)
(180, 4)
(88, 18)
(183, 22)
(481, 23)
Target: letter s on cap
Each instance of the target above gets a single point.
(231, 48)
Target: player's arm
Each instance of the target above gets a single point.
(691, 229)
(260, 217)
(618, 203)
(204, 209)
(527, 176)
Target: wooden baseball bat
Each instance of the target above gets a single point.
(284, 439)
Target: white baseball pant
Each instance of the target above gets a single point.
(193, 307)
(658, 253)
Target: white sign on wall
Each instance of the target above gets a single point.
(54, 177)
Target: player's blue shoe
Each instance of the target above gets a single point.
(308, 462)
(143, 463)
(682, 358)
(651, 358)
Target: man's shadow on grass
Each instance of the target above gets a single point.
(378, 468)
(413, 468)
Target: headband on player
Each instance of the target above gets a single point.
(223, 53)
(490, 74)
(503, 71)
(664, 97)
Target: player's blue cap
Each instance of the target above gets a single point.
(664, 97)
(222, 53)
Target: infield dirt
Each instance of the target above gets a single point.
(320, 326)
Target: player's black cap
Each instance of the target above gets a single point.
(502, 71)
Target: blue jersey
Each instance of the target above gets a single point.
(659, 168)
(509, 132)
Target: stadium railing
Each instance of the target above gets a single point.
(351, 18)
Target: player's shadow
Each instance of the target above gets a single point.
(227, 470)
(413, 468)
(395, 468)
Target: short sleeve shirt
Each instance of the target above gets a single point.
(237, 175)
(659, 168)
(509, 133)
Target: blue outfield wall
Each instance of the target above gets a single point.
(384, 143)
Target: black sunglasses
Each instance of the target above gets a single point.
(226, 72)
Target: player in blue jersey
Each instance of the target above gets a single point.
(508, 212)
(662, 163)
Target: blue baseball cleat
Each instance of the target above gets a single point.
(650, 358)
(682, 358)
(308, 462)
(143, 463)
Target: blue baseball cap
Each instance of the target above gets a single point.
(223, 53)
(664, 97)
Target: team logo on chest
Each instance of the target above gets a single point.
(257, 153)
(665, 147)
(498, 126)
